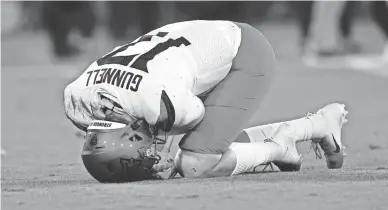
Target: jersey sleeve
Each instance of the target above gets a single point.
(189, 110)
(75, 109)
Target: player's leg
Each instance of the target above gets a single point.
(323, 127)
(319, 127)
(302, 130)
(380, 15)
(205, 151)
(325, 30)
(303, 12)
(59, 20)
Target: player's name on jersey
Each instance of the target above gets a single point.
(117, 77)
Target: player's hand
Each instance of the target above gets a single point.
(165, 169)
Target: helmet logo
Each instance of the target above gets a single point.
(146, 152)
(150, 153)
(130, 163)
(93, 139)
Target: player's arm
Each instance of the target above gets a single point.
(72, 111)
(178, 118)
(181, 113)
(166, 121)
(187, 114)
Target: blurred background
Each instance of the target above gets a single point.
(307, 30)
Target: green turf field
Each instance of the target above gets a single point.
(43, 168)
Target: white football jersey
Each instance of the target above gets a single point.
(184, 59)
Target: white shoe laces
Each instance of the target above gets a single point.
(314, 145)
(317, 150)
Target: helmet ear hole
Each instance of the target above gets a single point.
(135, 138)
(138, 138)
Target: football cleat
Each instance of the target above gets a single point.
(292, 160)
(331, 143)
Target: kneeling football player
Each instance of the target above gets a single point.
(186, 78)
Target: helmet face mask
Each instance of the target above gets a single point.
(121, 153)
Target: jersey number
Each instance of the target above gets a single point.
(141, 62)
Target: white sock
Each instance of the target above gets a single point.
(302, 129)
(251, 155)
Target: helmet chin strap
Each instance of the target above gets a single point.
(155, 141)
(154, 135)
